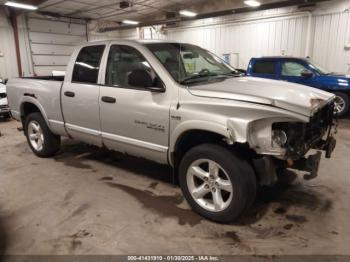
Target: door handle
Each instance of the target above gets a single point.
(108, 99)
(69, 94)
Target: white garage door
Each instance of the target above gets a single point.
(52, 42)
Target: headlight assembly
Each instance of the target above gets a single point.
(279, 138)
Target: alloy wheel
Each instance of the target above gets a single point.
(339, 104)
(209, 185)
(36, 135)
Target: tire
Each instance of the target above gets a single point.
(345, 100)
(35, 126)
(232, 170)
(251, 186)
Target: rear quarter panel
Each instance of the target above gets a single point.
(44, 94)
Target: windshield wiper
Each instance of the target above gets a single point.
(193, 77)
(232, 73)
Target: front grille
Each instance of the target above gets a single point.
(303, 136)
(4, 107)
(319, 123)
(3, 95)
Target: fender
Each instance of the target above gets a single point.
(195, 125)
(239, 129)
(34, 101)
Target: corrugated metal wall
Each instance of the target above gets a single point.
(331, 47)
(329, 37)
(8, 63)
(264, 34)
(243, 40)
(48, 44)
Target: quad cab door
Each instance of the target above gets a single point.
(265, 68)
(80, 96)
(134, 105)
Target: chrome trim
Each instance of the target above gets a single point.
(56, 122)
(135, 142)
(117, 138)
(86, 130)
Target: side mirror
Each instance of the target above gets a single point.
(307, 73)
(141, 78)
(158, 89)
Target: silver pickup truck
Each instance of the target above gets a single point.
(178, 104)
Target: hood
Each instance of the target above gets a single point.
(292, 97)
(336, 74)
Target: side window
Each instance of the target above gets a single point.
(292, 69)
(169, 58)
(122, 61)
(87, 65)
(264, 67)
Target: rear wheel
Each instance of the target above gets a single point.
(40, 139)
(341, 104)
(216, 184)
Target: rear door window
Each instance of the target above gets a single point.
(87, 65)
(264, 67)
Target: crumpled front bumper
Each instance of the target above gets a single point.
(266, 167)
(312, 162)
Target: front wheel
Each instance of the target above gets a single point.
(40, 139)
(215, 183)
(341, 104)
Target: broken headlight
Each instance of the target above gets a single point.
(279, 138)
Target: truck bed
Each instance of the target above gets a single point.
(44, 92)
(50, 78)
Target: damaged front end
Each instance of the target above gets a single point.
(296, 139)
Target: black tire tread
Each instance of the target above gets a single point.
(52, 142)
(241, 174)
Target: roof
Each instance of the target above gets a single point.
(126, 41)
(280, 57)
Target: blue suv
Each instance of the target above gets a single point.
(305, 72)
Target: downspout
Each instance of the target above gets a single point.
(13, 17)
(308, 34)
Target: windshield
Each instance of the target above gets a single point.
(189, 64)
(319, 69)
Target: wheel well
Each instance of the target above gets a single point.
(28, 108)
(194, 138)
